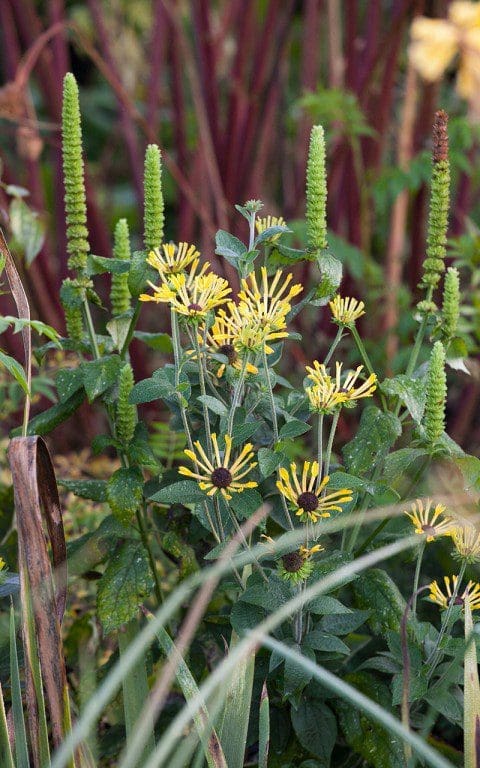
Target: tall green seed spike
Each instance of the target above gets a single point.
(71, 300)
(450, 305)
(434, 417)
(119, 293)
(75, 198)
(316, 191)
(126, 412)
(152, 183)
(434, 264)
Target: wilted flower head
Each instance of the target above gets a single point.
(466, 539)
(172, 258)
(322, 379)
(435, 42)
(297, 566)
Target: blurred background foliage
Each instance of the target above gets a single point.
(229, 89)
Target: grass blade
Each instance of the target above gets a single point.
(21, 747)
(236, 712)
(6, 756)
(135, 690)
(471, 693)
(264, 729)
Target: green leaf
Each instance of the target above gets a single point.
(98, 265)
(316, 728)
(99, 375)
(233, 727)
(247, 502)
(245, 617)
(139, 273)
(293, 428)
(161, 386)
(296, 677)
(125, 492)
(118, 328)
(320, 641)
(268, 596)
(183, 492)
(269, 461)
(229, 246)
(326, 605)
(268, 233)
(377, 432)
(126, 583)
(68, 381)
(376, 592)
(398, 462)
(343, 624)
(15, 369)
(243, 432)
(411, 392)
(159, 341)
(96, 490)
(213, 404)
(135, 691)
(469, 466)
(45, 422)
(27, 229)
(331, 277)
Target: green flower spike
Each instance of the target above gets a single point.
(119, 293)
(75, 199)
(126, 412)
(153, 215)
(71, 299)
(316, 192)
(451, 305)
(434, 417)
(434, 265)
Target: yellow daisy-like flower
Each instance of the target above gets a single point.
(435, 42)
(295, 567)
(321, 378)
(345, 311)
(466, 540)
(250, 334)
(432, 522)
(308, 502)
(192, 295)
(221, 339)
(324, 397)
(171, 258)
(470, 593)
(270, 221)
(224, 476)
(267, 303)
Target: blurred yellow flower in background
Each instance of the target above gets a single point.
(435, 43)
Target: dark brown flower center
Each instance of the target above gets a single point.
(194, 308)
(292, 562)
(221, 477)
(308, 501)
(428, 529)
(229, 351)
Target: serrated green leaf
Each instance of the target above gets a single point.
(118, 328)
(183, 492)
(320, 641)
(343, 624)
(296, 677)
(126, 583)
(411, 392)
(159, 341)
(376, 592)
(96, 490)
(139, 273)
(229, 246)
(398, 462)
(125, 492)
(99, 265)
(377, 433)
(99, 375)
(269, 461)
(316, 728)
(247, 502)
(213, 404)
(68, 381)
(245, 617)
(268, 233)
(243, 432)
(325, 605)
(293, 428)
(331, 276)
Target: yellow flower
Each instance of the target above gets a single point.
(171, 258)
(305, 498)
(346, 311)
(269, 303)
(435, 42)
(467, 542)
(222, 340)
(222, 475)
(270, 221)
(322, 379)
(192, 295)
(251, 334)
(430, 521)
(471, 592)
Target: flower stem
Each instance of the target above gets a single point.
(366, 360)
(320, 444)
(331, 437)
(201, 378)
(237, 394)
(333, 345)
(418, 568)
(435, 655)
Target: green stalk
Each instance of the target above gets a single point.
(331, 437)
(237, 393)
(201, 378)
(418, 567)
(333, 345)
(471, 692)
(435, 655)
(320, 446)
(366, 360)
